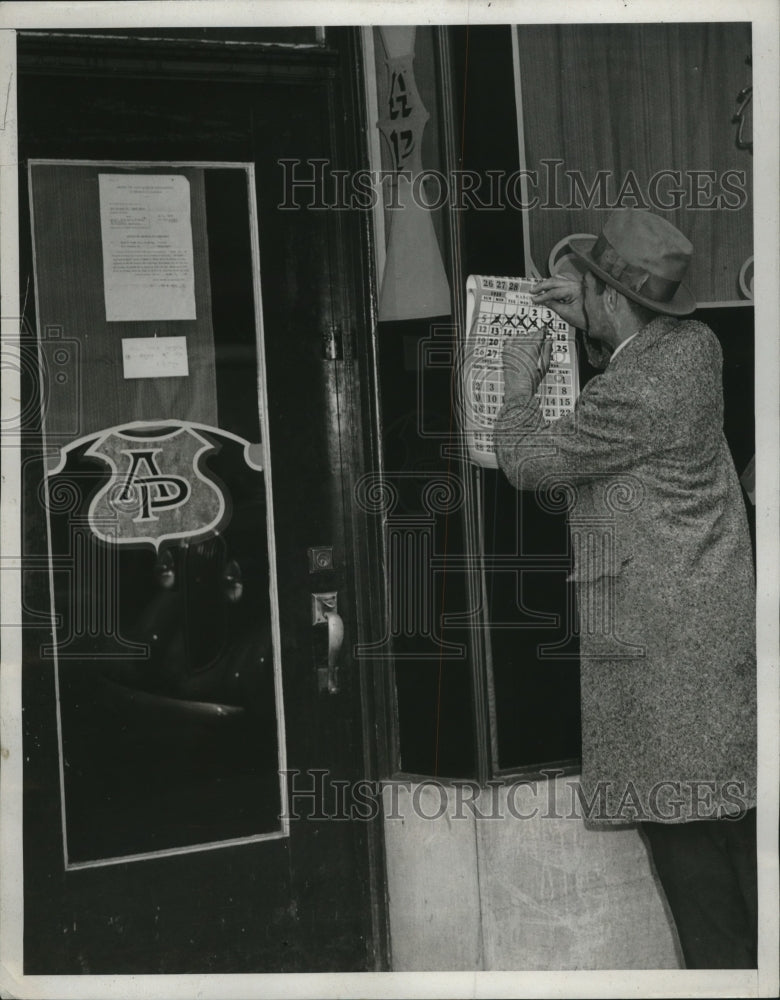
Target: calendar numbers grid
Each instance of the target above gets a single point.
(499, 308)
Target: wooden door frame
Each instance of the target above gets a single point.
(340, 60)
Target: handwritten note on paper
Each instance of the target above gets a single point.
(154, 357)
(148, 271)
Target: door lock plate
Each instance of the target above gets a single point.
(320, 557)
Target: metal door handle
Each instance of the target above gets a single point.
(335, 638)
(324, 611)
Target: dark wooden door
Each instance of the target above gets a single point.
(310, 900)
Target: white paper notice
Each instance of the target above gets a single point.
(154, 357)
(148, 271)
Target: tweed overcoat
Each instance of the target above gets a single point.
(664, 576)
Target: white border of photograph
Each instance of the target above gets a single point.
(765, 17)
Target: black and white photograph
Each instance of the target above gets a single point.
(390, 499)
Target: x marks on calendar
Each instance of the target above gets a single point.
(497, 308)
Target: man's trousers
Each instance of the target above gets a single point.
(707, 869)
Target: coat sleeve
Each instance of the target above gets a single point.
(663, 404)
(604, 434)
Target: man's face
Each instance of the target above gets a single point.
(597, 340)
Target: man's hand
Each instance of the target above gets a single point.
(563, 295)
(525, 359)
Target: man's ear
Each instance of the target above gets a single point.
(611, 299)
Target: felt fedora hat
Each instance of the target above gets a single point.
(644, 257)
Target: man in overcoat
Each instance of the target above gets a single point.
(663, 571)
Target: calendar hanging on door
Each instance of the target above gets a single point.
(497, 308)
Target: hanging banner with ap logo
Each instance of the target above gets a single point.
(157, 489)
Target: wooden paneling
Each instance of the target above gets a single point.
(556, 895)
(311, 901)
(524, 885)
(432, 880)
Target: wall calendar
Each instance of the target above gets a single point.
(497, 308)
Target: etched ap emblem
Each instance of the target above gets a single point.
(156, 490)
